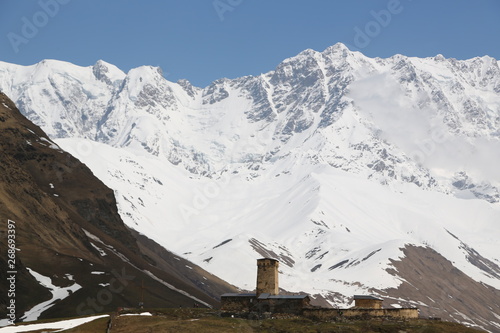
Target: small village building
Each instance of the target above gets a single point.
(266, 298)
(367, 302)
(283, 303)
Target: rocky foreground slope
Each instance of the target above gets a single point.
(73, 253)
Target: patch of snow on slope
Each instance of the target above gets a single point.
(58, 325)
(58, 293)
(138, 314)
(101, 251)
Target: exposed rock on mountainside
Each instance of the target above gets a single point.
(475, 304)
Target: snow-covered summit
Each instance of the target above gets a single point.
(107, 72)
(332, 162)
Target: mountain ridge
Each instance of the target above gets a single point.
(325, 160)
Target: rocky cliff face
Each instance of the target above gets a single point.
(333, 162)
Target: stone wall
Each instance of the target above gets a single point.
(250, 303)
(294, 306)
(368, 303)
(238, 303)
(331, 314)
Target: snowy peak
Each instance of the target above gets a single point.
(315, 97)
(108, 73)
(338, 47)
(144, 85)
(332, 163)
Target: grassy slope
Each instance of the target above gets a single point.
(202, 320)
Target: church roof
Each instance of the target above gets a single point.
(238, 295)
(265, 296)
(269, 296)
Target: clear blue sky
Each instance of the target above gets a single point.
(203, 40)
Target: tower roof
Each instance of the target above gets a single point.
(267, 259)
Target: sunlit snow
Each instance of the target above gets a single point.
(58, 293)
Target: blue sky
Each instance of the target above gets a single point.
(203, 40)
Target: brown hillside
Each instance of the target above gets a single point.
(63, 213)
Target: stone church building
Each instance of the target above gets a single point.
(267, 297)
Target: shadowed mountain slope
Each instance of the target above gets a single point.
(69, 231)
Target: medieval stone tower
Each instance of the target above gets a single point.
(267, 276)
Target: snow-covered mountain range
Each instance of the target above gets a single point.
(333, 163)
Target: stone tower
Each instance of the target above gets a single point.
(267, 276)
